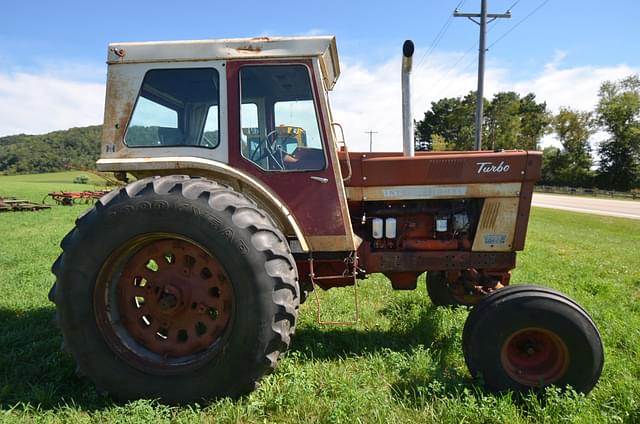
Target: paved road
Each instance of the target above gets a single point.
(619, 208)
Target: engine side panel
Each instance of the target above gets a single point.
(440, 211)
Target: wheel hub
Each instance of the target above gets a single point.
(535, 357)
(168, 301)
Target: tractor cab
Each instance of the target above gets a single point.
(250, 112)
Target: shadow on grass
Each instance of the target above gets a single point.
(417, 330)
(36, 372)
(33, 368)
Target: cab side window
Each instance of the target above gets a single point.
(176, 107)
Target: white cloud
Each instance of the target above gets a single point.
(369, 99)
(576, 88)
(33, 104)
(365, 98)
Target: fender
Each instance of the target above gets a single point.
(218, 171)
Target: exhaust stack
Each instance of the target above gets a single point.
(408, 146)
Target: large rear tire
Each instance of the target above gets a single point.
(529, 337)
(176, 288)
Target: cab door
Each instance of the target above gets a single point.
(278, 134)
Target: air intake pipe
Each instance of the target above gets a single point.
(408, 146)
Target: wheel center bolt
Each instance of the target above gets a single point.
(167, 301)
(169, 298)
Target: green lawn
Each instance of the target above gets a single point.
(401, 363)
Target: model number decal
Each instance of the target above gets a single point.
(495, 239)
(490, 167)
(423, 192)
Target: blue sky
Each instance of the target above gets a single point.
(52, 52)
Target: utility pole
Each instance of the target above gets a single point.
(483, 15)
(371, 133)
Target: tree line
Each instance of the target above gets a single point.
(512, 121)
(55, 151)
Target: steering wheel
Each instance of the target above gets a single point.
(204, 141)
(269, 149)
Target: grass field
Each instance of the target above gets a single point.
(401, 363)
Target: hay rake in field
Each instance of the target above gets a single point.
(68, 198)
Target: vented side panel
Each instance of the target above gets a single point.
(445, 167)
(497, 225)
(489, 216)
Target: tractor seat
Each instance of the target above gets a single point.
(306, 158)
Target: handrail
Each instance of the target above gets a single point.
(346, 151)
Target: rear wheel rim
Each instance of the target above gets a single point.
(163, 303)
(535, 357)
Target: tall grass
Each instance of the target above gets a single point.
(401, 363)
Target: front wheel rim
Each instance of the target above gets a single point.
(535, 357)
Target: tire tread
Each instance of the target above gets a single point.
(265, 238)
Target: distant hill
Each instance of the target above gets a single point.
(34, 154)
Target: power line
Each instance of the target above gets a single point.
(518, 23)
(482, 23)
(462, 71)
(436, 41)
(513, 5)
(439, 36)
(466, 53)
(492, 25)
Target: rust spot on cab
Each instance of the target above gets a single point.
(117, 111)
(249, 49)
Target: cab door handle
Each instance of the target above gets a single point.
(322, 180)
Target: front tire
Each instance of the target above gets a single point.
(529, 337)
(176, 288)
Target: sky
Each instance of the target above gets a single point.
(53, 72)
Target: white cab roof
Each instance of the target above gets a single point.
(323, 47)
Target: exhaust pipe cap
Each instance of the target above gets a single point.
(408, 48)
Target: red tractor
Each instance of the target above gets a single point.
(185, 284)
